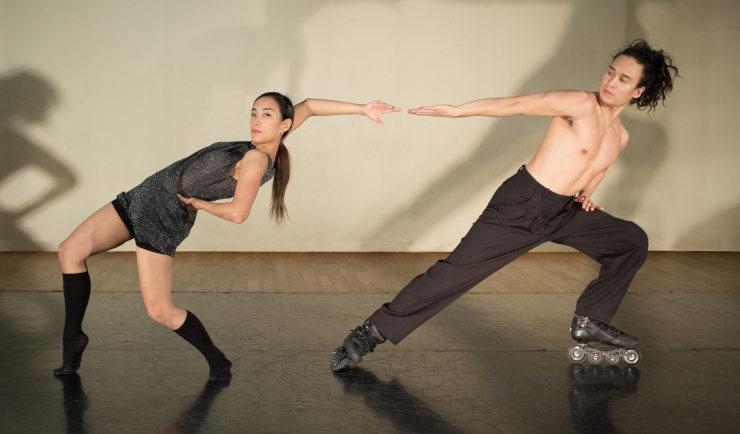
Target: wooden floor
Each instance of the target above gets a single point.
(664, 272)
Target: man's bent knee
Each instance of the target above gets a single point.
(638, 238)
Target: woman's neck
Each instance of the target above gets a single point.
(270, 148)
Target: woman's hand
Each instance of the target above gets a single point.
(445, 111)
(586, 203)
(375, 109)
(190, 203)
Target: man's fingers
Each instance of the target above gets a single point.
(416, 110)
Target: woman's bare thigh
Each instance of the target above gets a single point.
(100, 232)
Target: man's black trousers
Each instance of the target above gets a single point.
(522, 215)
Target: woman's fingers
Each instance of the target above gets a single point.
(382, 105)
(375, 109)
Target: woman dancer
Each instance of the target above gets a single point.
(159, 213)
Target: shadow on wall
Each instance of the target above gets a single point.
(577, 63)
(722, 229)
(648, 145)
(25, 100)
(638, 165)
(275, 43)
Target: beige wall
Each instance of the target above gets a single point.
(140, 84)
(692, 201)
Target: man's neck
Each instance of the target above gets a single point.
(609, 113)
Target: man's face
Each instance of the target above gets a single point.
(619, 84)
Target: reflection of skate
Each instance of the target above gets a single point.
(599, 378)
(592, 389)
(619, 345)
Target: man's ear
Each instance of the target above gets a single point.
(638, 92)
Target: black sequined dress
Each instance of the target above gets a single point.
(157, 217)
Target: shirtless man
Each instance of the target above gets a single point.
(548, 199)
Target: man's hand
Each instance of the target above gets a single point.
(586, 203)
(445, 111)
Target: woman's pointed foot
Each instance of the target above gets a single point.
(72, 354)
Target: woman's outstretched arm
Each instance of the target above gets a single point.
(325, 107)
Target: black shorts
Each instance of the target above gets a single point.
(123, 213)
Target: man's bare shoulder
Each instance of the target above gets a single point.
(583, 98)
(625, 136)
(591, 100)
(584, 103)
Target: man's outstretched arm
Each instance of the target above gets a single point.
(565, 103)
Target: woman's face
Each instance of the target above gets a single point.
(266, 123)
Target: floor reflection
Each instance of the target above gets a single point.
(193, 417)
(190, 421)
(75, 402)
(592, 389)
(391, 400)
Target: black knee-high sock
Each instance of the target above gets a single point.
(76, 295)
(192, 330)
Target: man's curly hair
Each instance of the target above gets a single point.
(657, 73)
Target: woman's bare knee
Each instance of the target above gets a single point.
(164, 314)
(71, 258)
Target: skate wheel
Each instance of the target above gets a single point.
(631, 357)
(576, 354)
(338, 360)
(613, 358)
(595, 357)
